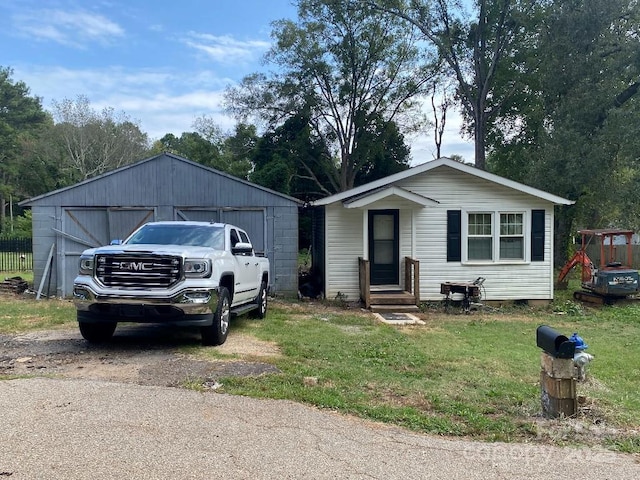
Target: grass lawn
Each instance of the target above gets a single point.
(26, 276)
(464, 375)
(471, 375)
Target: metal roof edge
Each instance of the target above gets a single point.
(443, 161)
(29, 201)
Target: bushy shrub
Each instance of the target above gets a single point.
(18, 227)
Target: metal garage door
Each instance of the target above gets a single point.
(84, 228)
(197, 214)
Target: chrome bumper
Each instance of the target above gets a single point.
(188, 302)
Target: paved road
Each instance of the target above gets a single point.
(78, 429)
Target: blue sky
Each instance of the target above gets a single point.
(162, 63)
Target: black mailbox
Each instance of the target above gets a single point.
(554, 343)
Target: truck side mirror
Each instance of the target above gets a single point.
(242, 248)
(115, 242)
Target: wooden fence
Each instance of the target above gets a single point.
(15, 254)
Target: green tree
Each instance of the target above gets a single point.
(226, 153)
(474, 46)
(42, 162)
(193, 146)
(383, 151)
(94, 142)
(344, 70)
(21, 120)
(18, 226)
(238, 149)
(573, 129)
(210, 146)
(292, 161)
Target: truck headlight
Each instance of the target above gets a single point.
(197, 268)
(86, 265)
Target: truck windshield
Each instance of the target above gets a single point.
(193, 235)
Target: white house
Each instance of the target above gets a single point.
(442, 221)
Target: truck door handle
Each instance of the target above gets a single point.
(246, 264)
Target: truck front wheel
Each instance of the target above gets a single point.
(97, 332)
(216, 333)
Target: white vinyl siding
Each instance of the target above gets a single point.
(344, 244)
(343, 250)
(505, 280)
(423, 236)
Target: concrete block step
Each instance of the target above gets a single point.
(385, 308)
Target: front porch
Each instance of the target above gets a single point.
(390, 298)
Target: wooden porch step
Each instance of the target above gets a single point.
(395, 301)
(392, 298)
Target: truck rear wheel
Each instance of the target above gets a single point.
(97, 332)
(216, 333)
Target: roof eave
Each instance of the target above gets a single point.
(425, 167)
(382, 194)
(30, 201)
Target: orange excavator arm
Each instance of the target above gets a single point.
(580, 258)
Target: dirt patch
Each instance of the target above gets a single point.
(141, 354)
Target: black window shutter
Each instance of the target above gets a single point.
(454, 235)
(537, 235)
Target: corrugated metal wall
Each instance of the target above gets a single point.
(165, 187)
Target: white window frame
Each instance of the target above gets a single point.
(491, 236)
(521, 235)
(496, 236)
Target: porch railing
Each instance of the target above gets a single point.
(411, 279)
(364, 276)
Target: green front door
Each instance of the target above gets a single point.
(384, 247)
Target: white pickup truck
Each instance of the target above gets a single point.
(178, 273)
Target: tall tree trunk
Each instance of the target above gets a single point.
(479, 140)
(3, 213)
(562, 233)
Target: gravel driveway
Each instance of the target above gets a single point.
(140, 354)
(110, 412)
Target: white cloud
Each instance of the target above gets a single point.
(161, 101)
(56, 83)
(73, 29)
(169, 100)
(225, 49)
(423, 146)
(160, 114)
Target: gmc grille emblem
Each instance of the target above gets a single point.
(136, 266)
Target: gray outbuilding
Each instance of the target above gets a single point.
(164, 187)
